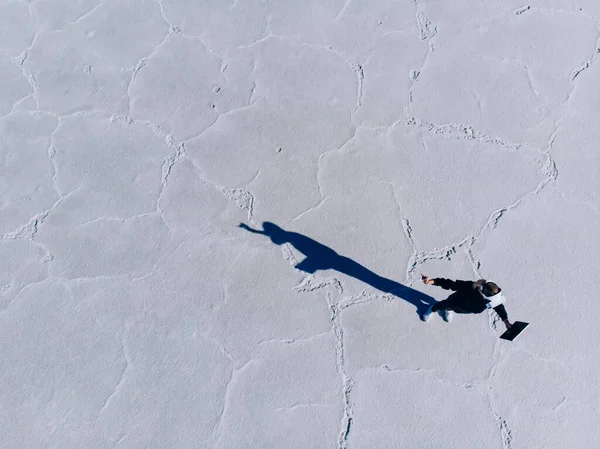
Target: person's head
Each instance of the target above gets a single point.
(490, 289)
(487, 288)
(276, 234)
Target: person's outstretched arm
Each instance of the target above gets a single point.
(447, 284)
(501, 311)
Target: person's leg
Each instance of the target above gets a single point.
(446, 304)
(426, 316)
(446, 308)
(438, 306)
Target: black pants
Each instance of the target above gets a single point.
(451, 303)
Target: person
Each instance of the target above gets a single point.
(468, 297)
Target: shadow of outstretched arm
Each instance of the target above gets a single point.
(249, 229)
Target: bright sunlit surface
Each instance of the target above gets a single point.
(359, 144)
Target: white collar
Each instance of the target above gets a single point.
(494, 300)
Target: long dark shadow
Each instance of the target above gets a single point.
(321, 257)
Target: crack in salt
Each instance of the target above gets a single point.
(243, 199)
(292, 407)
(310, 209)
(110, 397)
(426, 29)
(294, 340)
(338, 333)
(310, 284)
(347, 381)
(342, 11)
(360, 75)
(522, 10)
(217, 428)
(84, 16)
(164, 16)
(459, 131)
(30, 229)
(596, 53)
(501, 423)
(166, 173)
(363, 298)
(141, 63)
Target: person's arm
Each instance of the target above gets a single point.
(501, 311)
(447, 284)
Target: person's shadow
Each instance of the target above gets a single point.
(321, 257)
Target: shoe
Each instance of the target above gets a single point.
(447, 315)
(427, 314)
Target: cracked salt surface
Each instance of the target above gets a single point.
(456, 138)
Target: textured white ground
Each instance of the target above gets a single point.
(458, 138)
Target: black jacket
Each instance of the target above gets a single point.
(466, 297)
